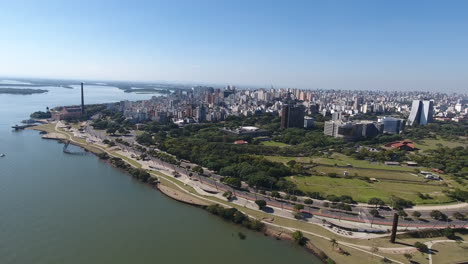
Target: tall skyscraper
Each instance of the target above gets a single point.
(292, 116)
(422, 112)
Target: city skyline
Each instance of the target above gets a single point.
(335, 45)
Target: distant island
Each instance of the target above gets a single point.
(147, 90)
(21, 91)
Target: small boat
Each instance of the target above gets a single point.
(2, 155)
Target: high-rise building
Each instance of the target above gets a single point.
(352, 131)
(200, 113)
(292, 116)
(422, 112)
(393, 125)
(358, 101)
(308, 122)
(337, 116)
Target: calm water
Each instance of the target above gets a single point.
(59, 208)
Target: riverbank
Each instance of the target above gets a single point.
(180, 196)
(166, 188)
(357, 248)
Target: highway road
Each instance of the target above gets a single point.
(359, 213)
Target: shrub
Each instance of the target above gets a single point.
(261, 203)
(421, 247)
(299, 238)
(298, 207)
(438, 215)
(416, 214)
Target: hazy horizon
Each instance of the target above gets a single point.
(359, 45)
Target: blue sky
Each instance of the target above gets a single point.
(397, 45)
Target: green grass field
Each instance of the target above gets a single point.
(372, 173)
(273, 144)
(362, 191)
(446, 253)
(340, 160)
(427, 144)
(343, 160)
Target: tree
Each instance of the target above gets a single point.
(374, 212)
(408, 256)
(333, 242)
(291, 163)
(298, 207)
(402, 213)
(111, 130)
(234, 182)
(421, 247)
(261, 204)
(449, 233)
(299, 238)
(438, 215)
(416, 214)
(198, 169)
(275, 194)
(458, 216)
(376, 201)
(228, 195)
(122, 130)
(308, 201)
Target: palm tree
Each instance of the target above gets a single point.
(334, 242)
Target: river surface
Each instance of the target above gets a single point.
(61, 208)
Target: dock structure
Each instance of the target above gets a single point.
(19, 127)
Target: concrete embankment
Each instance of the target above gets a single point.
(56, 136)
(181, 196)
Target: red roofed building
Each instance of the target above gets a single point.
(240, 142)
(402, 145)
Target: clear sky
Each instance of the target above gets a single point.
(397, 45)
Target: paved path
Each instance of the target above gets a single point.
(431, 243)
(366, 249)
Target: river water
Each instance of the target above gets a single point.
(61, 208)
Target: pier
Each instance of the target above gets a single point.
(20, 127)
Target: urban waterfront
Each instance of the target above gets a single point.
(59, 208)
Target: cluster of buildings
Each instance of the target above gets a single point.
(296, 108)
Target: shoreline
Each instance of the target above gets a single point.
(269, 231)
(277, 231)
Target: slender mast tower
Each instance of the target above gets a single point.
(82, 101)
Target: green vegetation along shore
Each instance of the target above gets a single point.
(22, 91)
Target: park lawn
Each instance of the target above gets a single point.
(285, 160)
(451, 252)
(372, 173)
(49, 128)
(355, 256)
(343, 160)
(274, 144)
(362, 191)
(430, 143)
(340, 160)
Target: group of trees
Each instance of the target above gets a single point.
(380, 156)
(307, 138)
(113, 123)
(451, 160)
(235, 216)
(137, 173)
(41, 115)
(448, 131)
